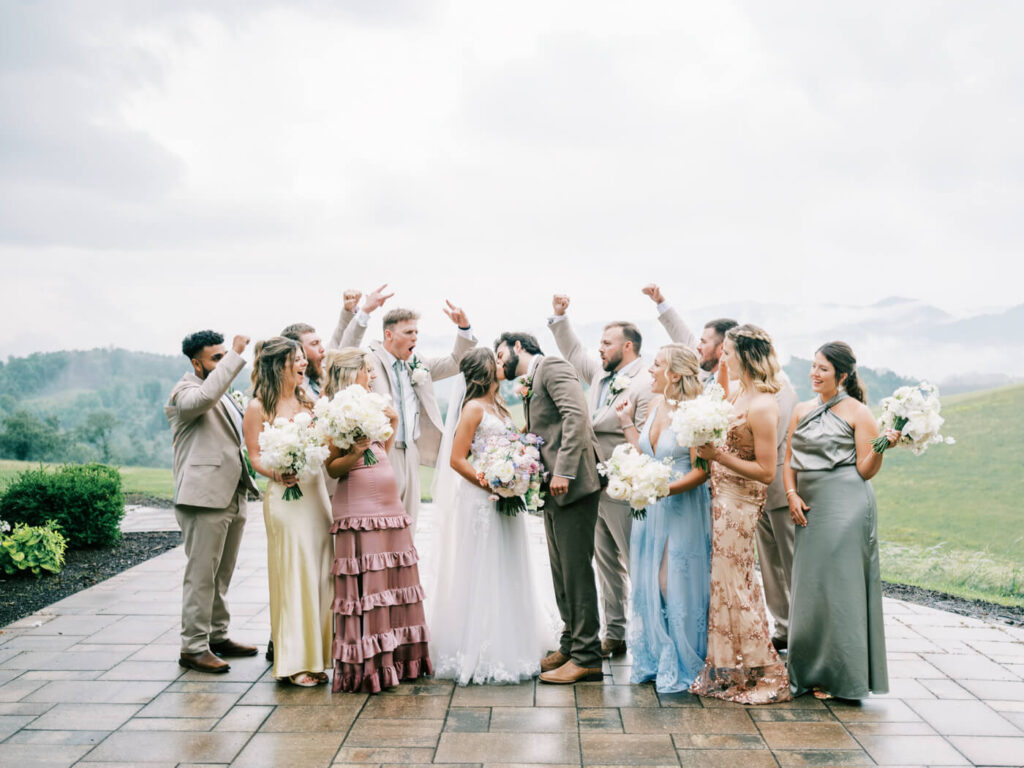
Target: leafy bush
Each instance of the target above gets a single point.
(35, 549)
(84, 500)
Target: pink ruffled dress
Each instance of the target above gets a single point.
(380, 630)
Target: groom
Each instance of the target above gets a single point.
(556, 410)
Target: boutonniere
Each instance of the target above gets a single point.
(239, 398)
(525, 388)
(619, 385)
(418, 372)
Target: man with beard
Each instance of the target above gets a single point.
(618, 374)
(210, 488)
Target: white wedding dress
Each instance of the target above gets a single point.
(491, 619)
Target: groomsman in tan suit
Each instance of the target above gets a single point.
(617, 374)
(409, 381)
(775, 530)
(210, 488)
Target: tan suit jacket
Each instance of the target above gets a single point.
(347, 333)
(557, 411)
(677, 328)
(786, 398)
(208, 462)
(603, 415)
(431, 424)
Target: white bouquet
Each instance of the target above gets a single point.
(636, 477)
(914, 412)
(352, 414)
(704, 419)
(510, 465)
(292, 447)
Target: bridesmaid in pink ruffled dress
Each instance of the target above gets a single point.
(380, 631)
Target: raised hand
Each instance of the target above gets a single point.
(623, 411)
(375, 299)
(652, 290)
(559, 303)
(239, 343)
(350, 299)
(456, 314)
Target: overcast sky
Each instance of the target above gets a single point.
(166, 167)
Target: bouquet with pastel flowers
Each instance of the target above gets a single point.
(636, 477)
(702, 420)
(510, 465)
(292, 447)
(352, 414)
(912, 411)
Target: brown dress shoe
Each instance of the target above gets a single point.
(611, 648)
(227, 647)
(203, 662)
(553, 661)
(569, 673)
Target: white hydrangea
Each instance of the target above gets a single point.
(702, 420)
(292, 447)
(352, 414)
(636, 477)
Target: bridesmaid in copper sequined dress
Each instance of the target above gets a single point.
(380, 630)
(741, 664)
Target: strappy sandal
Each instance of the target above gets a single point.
(822, 695)
(304, 680)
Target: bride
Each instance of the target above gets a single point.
(489, 622)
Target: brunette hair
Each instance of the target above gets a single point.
(272, 357)
(721, 326)
(527, 341)
(757, 356)
(340, 369)
(295, 331)
(629, 331)
(480, 369)
(841, 357)
(680, 359)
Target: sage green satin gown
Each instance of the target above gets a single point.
(836, 631)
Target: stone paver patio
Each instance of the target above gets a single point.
(93, 681)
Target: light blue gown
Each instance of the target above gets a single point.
(668, 636)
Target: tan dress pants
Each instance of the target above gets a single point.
(611, 554)
(775, 533)
(406, 463)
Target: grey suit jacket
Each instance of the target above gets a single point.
(208, 462)
(557, 411)
(603, 416)
(431, 423)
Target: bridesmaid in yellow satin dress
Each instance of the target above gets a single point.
(741, 664)
(298, 531)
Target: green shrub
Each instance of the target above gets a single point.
(85, 500)
(32, 548)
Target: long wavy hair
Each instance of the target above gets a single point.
(480, 368)
(340, 369)
(841, 356)
(757, 356)
(680, 359)
(273, 357)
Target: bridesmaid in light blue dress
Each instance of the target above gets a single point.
(670, 550)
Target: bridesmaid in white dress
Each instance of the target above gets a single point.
(299, 548)
(489, 621)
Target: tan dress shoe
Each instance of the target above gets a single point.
(553, 661)
(203, 662)
(569, 673)
(611, 648)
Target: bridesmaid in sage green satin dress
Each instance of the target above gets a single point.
(836, 632)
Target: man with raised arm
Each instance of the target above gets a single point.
(617, 373)
(211, 483)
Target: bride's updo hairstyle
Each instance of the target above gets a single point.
(840, 356)
(273, 357)
(480, 369)
(340, 369)
(757, 356)
(682, 360)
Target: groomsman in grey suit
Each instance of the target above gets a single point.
(617, 374)
(556, 410)
(775, 530)
(409, 381)
(210, 488)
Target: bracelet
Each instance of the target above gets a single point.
(791, 490)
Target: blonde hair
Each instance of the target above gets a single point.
(757, 357)
(273, 356)
(680, 359)
(341, 367)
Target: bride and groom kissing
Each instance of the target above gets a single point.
(490, 621)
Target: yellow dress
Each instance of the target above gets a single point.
(299, 557)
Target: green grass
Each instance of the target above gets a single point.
(143, 480)
(951, 520)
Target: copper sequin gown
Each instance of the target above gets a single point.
(741, 664)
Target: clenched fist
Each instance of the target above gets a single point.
(239, 343)
(652, 290)
(350, 299)
(559, 303)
